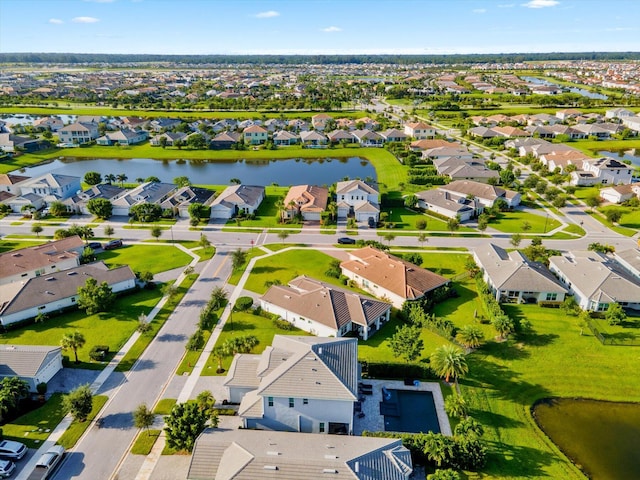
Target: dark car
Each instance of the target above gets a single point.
(372, 222)
(346, 241)
(94, 245)
(110, 245)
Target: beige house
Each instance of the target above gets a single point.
(419, 130)
(389, 277)
(486, 194)
(255, 135)
(307, 200)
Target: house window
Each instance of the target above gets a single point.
(321, 427)
(305, 401)
(73, 299)
(270, 401)
(552, 296)
(291, 402)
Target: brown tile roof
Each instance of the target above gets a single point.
(30, 258)
(392, 273)
(434, 143)
(308, 198)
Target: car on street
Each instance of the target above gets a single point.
(346, 241)
(6, 468)
(111, 244)
(47, 463)
(12, 450)
(94, 245)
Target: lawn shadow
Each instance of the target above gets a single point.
(507, 350)
(510, 461)
(171, 337)
(239, 326)
(539, 340)
(266, 269)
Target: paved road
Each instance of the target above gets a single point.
(100, 451)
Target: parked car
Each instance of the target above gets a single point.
(110, 245)
(346, 241)
(94, 245)
(12, 450)
(6, 468)
(47, 463)
(372, 222)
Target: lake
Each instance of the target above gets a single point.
(295, 171)
(626, 155)
(602, 438)
(581, 91)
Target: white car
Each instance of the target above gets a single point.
(6, 468)
(12, 450)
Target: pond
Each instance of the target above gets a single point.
(632, 155)
(602, 438)
(581, 91)
(295, 171)
(29, 119)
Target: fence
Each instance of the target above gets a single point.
(607, 339)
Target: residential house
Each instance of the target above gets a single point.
(511, 132)
(562, 160)
(630, 261)
(123, 137)
(394, 135)
(11, 183)
(149, 192)
(313, 138)
(284, 138)
(170, 139)
(448, 204)
(618, 113)
(358, 199)
(18, 202)
(48, 123)
(632, 123)
(184, 197)
(320, 120)
(457, 150)
(464, 168)
(274, 124)
(419, 130)
(34, 364)
(339, 136)
(78, 133)
(25, 263)
(306, 200)
(543, 119)
(421, 145)
(540, 131)
(255, 135)
(246, 454)
(368, 138)
(298, 125)
(78, 202)
(483, 132)
(568, 114)
(620, 193)
(298, 384)
(325, 310)
(51, 186)
(237, 199)
(224, 140)
(604, 170)
(486, 194)
(162, 124)
(15, 143)
(512, 277)
(52, 292)
(566, 130)
(389, 277)
(596, 281)
(367, 123)
(595, 130)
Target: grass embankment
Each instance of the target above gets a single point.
(146, 258)
(164, 406)
(72, 434)
(512, 222)
(144, 442)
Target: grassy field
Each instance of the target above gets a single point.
(146, 258)
(144, 442)
(72, 434)
(511, 222)
(405, 219)
(630, 216)
(111, 328)
(164, 406)
(9, 245)
(34, 427)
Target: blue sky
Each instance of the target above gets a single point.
(318, 26)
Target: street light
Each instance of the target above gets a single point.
(546, 217)
(171, 228)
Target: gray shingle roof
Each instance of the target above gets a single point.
(24, 360)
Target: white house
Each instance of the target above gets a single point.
(512, 277)
(52, 185)
(32, 363)
(620, 193)
(125, 136)
(358, 199)
(450, 205)
(149, 192)
(78, 133)
(237, 199)
(419, 130)
(484, 193)
(389, 277)
(298, 384)
(325, 310)
(78, 202)
(604, 170)
(596, 280)
(11, 183)
(630, 260)
(55, 291)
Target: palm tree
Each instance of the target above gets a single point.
(110, 178)
(448, 362)
(455, 406)
(333, 210)
(121, 177)
(220, 352)
(280, 207)
(139, 180)
(73, 341)
(438, 447)
(470, 336)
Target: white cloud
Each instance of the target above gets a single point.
(541, 3)
(85, 20)
(480, 10)
(507, 5)
(331, 29)
(55, 21)
(267, 14)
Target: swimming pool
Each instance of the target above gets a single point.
(409, 411)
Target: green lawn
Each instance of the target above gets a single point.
(267, 213)
(164, 406)
(236, 274)
(146, 258)
(628, 331)
(111, 328)
(511, 222)
(34, 427)
(630, 217)
(583, 193)
(9, 245)
(627, 232)
(72, 434)
(144, 442)
(245, 323)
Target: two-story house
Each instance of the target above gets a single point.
(51, 186)
(78, 133)
(419, 130)
(357, 199)
(604, 170)
(255, 135)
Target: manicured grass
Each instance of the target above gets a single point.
(237, 273)
(35, 427)
(511, 222)
(245, 323)
(591, 146)
(205, 253)
(627, 232)
(191, 357)
(573, 228)
(145, 339)
(583, 193)
(146, 258)
(630, 216)
(9, 245)
(72, 434)
(111, 328)
(627, 331)
(164, 406)
(405, 219)
(144, 442)
(288, 265)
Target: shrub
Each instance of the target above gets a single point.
(421, 224)
(196, 341)
(282, 324)
(99, 352)
(243, 303)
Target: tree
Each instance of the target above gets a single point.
(421, 224)
(446, 474)
(470, 336)
(196, 341)
(238, 258)
(220, 352)
(41, 317)
(526, 226)
(58, 209)
(283, 235)
(235, 181)
(456, 406)
(109, 178)
(196, 141)
(169, 290)
(410, 201)
(389, 237)
(182, 181)
(613, 215)
(504, 325)
(414, 258)
(507, 177)
(406, 343)
(438, 448)
(469, 428)
(453, 224)
(79, 403)
(196, 210)
(422, 237)
(163, 141)
(28, 210)
(92, 178)
(37, 229)
(615, 314)
(94, 297)
(183, 425)
(100, 207)
(602, 248)
(12, 390)
(88, 255)
(143, 324)
(152, 178)
(143, 417)
(204, 242)
(205, 402)
(569, 306)
(121, 177)
(515, 240)
(73, 341)
(448, 362)
(156, 232)
(593, 201)
(483, 222)
(218, 297)
(146, 212)
(108, 230)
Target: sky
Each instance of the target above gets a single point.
(318, 26)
